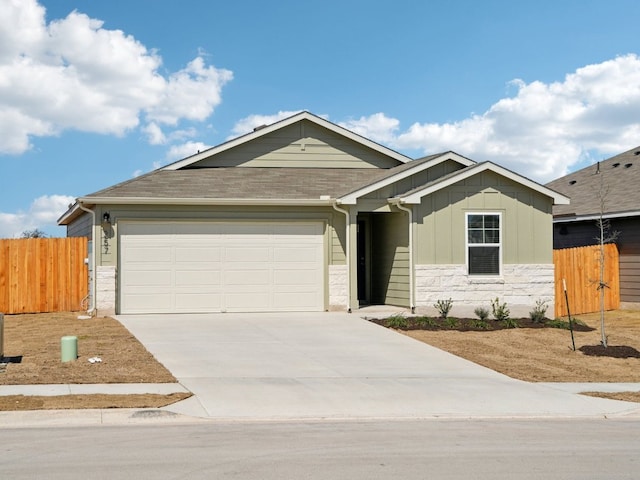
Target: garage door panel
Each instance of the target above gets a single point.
(198, 254)
(197, 278)
(246, 254)
(147, 254)
(198, 302)
(147, 278)
(293, 277)
(209, 266)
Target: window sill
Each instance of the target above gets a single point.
(485, 279)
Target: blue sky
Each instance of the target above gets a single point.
(95, 92)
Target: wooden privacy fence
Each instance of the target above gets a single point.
(580, 267)
(40, 275)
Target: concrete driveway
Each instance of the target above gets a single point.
(334, 365)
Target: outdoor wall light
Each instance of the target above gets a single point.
(106, 218)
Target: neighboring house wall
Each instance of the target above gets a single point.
(81, 227)
(303, 144)
(580, 234)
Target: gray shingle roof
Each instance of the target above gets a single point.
(620, 176)
(245, 183)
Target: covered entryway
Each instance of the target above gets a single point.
(383, 259)
(198, 267)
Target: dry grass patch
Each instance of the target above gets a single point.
(36, 339)
(545, 354)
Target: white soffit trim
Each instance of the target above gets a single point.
(352, 198)
(416, 197)
(282, 124)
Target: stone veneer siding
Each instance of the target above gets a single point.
(520, 286)
(106, 290)
(338, 287)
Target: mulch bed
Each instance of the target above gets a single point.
(613, 351)
(472, 324)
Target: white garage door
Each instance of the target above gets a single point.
(221, 267)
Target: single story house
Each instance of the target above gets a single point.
(610, 188)
(304, 215)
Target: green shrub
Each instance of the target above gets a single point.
(424, 322)
(510, 322)
(451, 322)
(563, 324)
(481, 324)
(539, 312)
(398, 321)
(499, 310)
(443, 307)
(482, 313)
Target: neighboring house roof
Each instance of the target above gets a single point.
(619, 177)
(415, 196)
(261, 131)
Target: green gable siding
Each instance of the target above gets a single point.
(526, 216)
(303, 144)
(414, 181)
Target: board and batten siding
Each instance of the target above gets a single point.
(526, 221)
(302, 144)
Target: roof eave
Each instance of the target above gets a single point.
(594, 216)
(322, 201)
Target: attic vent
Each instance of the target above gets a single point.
(260, 127)
(637, 153)
(572, 182)
(627, 165)
(615, 165)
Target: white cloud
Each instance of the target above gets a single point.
(542, 131)
(42, 214)
(177, 152)
(73, 74)
(247, 124)
(376, 127)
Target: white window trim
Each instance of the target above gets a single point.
(466, 244)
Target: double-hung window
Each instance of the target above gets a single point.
(484, 243)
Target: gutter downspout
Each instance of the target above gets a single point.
(411, 274)
(347, 249)
(92, 304)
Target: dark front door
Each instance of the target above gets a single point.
(362, 253)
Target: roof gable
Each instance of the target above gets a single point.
(303, 140)
(415, 196)
(404, 171)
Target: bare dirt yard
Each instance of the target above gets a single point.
(545, 354)
(33, 357)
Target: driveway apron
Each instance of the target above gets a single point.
(334, 365)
